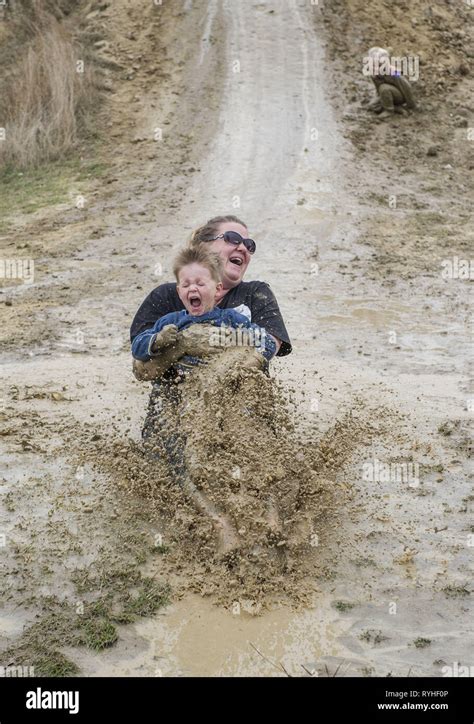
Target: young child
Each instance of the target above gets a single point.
(198, 274)
(394, 92)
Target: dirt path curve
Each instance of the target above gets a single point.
(264, 143)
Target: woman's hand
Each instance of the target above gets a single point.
(248, 359)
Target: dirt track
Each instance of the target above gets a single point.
(395, 351)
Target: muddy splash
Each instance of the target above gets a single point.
(259, 495)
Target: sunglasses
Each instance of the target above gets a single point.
(232, 237)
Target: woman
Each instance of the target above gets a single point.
(257, 296)
(228, 236)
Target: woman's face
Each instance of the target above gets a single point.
(235, 258)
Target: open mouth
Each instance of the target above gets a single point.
(236, 260)
(195, 301)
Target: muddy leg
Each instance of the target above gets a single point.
(273, 517)
(164, 440)
(160, 433)
(389, 98)
(226, 535)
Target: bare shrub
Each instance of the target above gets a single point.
(47, 93)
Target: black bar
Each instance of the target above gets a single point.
(321, 698)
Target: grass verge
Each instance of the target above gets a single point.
(26, 192)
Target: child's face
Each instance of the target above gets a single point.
(197, 289)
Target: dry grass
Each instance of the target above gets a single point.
(47, 93)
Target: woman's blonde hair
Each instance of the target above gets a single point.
(198, 255)
(209, 230)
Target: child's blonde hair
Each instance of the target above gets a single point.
(197, 255)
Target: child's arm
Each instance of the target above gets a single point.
(166, 338)
(195, 341)
(151, 342)
(156, 366)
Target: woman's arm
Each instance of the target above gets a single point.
(266, 313)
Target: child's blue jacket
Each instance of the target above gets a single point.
(142, 344)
